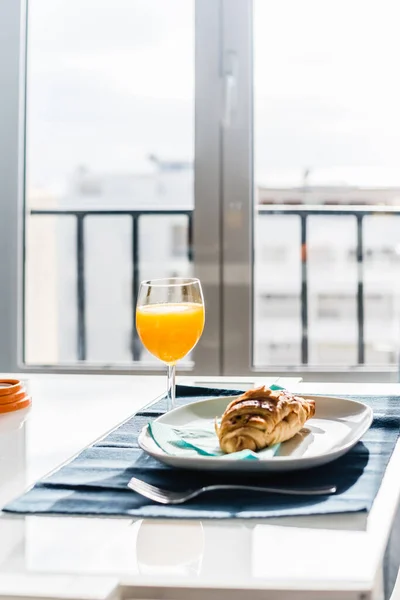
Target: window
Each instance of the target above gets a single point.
(324, 254)
(334, 353)
(230, 140)
(379, 307)
(382, 353)
(317, 131)
(336, 307)
(279, 353)
(109, 139)
(276, 254)
(179, 240)
(279, 306)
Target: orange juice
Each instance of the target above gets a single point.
(170, 331)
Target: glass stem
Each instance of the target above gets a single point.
(171, 387)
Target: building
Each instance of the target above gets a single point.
(332, 268)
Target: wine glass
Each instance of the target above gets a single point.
(170, 321)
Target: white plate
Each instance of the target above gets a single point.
(337, 426)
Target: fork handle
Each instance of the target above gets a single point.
(289, 491)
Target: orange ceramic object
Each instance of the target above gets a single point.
(24, 403)
(13, 395)
(9, 386)
(10, 398)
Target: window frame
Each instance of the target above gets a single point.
(224, 215)
(238, 217)
(12, 145)
(207, 223)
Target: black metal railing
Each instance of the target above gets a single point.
(303, 212)
(134, 215)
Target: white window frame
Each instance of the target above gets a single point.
(224, 214)
(12, 68)
(207, 222)
(238, 213)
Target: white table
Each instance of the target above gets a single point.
(324, 557)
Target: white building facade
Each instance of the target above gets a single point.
(333, 273)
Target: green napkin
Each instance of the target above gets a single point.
(200, 439)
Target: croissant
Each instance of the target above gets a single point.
(262, 417)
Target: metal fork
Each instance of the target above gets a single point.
(163, 496)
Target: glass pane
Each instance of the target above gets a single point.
(110, 148)
(326, 130)
(277, 333)
(50, 243)
(332, 290)
(382, 288)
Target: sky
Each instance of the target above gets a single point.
(327, 95)
(109, 82)
(112, 81)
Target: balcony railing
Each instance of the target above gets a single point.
(134, 215)
(303, 212)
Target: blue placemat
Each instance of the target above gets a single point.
(94, 483)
